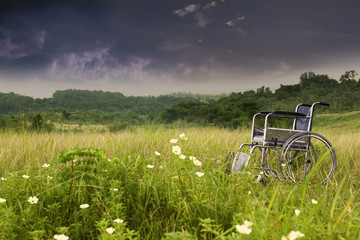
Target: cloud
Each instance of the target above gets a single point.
(98, 65)
(39, 38)
(186, 10)
(284, 66)
(201, 20)
(235, 21)
(281, 69)
(8, 48)
(173, 47)
(210, 5)
(230, 23)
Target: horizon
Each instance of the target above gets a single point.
(148, 48)
(170, 93)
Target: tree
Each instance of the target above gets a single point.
(66, 114)
(37, 122)
(348, 76)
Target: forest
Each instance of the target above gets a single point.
(237, 109)
(227, 110)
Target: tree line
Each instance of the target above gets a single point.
(237, 109)
(232, 110)
(84, 106)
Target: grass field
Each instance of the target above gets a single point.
(135, 193)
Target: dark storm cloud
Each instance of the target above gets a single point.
(180, 41)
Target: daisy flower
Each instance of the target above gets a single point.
(243, 229)
(192, 158)
(45, 165)
(118, 220)
(197, 162)
(110, 230)
(83, 206)
(33, 200)
(200, 174)
(61, 237)
(293, 235)
(176, 150)
(173, 141)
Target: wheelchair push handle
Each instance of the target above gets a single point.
(324, 104)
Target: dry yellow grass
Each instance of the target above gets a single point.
(21, 150)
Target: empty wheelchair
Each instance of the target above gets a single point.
(294, 153)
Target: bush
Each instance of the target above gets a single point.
(118, 127)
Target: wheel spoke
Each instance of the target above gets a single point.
(309, 157)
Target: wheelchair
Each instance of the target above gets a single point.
(300, 154)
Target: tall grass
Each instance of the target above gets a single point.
(162, 196)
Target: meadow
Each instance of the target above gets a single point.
(135, 184)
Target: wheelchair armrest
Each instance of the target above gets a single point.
(288, 114)
(264, 113)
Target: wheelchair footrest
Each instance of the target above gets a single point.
(240, 161)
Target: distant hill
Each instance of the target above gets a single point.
(237, 109)
(233, 110)
(84, 100)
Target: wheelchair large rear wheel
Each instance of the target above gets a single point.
(309, 157)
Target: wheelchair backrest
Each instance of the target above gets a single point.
(303, 124)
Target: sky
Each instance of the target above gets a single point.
(141, 47)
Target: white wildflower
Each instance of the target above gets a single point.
(248, 223)
(192, 158)
(176, 150)
(313, 201)
(173, 141)
(83, 206)
(200, 174)
(293, 235)
(118, 220)
(61, 237)
(33, 200)
(110, 230)
(45, 165)
(197, 162)
(243, 229)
